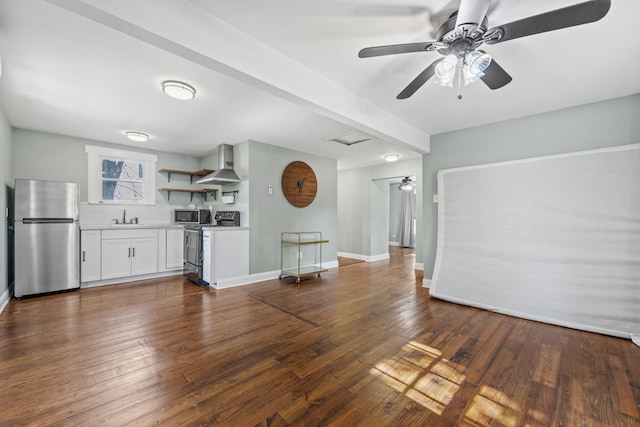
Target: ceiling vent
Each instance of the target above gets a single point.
(350, 138)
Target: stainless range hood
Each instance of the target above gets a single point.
(225, 173)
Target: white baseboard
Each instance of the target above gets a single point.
(394, 243)
(246, 280)
(367, 258)
(379, 257)
(259, 277)
(4, 299)
(128, 279)
(354, 256)
(426, 283)
(419, 266)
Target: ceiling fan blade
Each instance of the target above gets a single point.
(495, 76)
(393, 49)
(419, 81)
(578, 14)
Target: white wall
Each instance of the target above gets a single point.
(6, 173)
(363, 226)
(598, 125)
(395, 213)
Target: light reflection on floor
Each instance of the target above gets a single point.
(491, 405)
(420, 373)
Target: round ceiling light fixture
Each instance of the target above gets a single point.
(137, 136)
(391, 157)
(178, 90)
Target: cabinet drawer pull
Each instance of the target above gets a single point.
(83, 256)
(129, 253)
(134, 251)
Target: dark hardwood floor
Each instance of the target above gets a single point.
(364, 345)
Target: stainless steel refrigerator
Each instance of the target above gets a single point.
(47, 237)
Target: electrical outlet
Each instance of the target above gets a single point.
(270, 190)
(435, 198)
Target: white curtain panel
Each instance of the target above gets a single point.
(554, 239)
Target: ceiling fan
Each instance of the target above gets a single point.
(407, 184)
(460, 37)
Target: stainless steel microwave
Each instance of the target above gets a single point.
(192, 216)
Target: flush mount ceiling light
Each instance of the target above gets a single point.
(137, 136)
(178, 90)
(391, 157)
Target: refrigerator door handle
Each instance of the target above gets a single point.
(47, 221)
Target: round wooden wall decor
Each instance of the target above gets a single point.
(299, 184)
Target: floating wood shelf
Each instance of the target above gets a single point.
(201, 172)
(203, 192)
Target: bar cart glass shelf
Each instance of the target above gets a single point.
(301, 254)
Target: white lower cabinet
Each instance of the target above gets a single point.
(116, 258)
(90, 255)
(144, 255)
(227, 255)
(129, 252)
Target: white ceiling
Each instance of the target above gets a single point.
(286, 72)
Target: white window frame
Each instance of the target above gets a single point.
(95, 155)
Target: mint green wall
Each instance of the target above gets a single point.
(603, 124)
(46, 156)
(270, 215)
(380, 216)
(395, 212)
(363, 208)
(6, 172)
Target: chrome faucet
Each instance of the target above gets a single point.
(124, 216)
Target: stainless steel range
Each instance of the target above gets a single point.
(198, 244)
(227, 218)
(193, 256)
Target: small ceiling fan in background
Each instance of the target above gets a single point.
(406, 184)
(460, 37)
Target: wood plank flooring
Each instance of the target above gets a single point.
(364, 345)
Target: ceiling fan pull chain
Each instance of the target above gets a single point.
(460, 66)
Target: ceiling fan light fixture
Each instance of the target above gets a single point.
(178, 90)
(137, 136)
(478, 62)
(446, 71)
(475, 64)
(391, 157)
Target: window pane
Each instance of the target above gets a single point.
(122, 190)
(117, 176)
(122, 169)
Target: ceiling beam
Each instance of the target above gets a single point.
(193, 33)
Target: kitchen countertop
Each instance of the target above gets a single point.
(126, 226)
(225, 228)
(134, 226)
